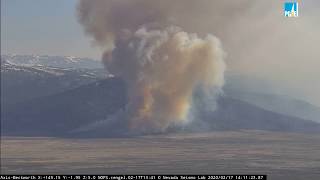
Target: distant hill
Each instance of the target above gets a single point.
(20, 83)
(233, 114)
(276, 103)
(62, 113)
(51, 61)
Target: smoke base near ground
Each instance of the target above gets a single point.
(161, 63)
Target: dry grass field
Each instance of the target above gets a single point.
(279, 155)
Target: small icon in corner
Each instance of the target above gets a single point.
(291, 9)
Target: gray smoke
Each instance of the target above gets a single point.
(149, 44)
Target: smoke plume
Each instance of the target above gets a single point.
(147, 44)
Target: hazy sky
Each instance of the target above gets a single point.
(259, 41)
(43, 27)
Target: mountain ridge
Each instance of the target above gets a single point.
(60, 114)
(51, 61)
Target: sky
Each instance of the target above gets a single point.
(43, 27)
(258, 40)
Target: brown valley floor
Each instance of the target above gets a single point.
(279, 155)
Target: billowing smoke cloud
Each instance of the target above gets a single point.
(161, 63)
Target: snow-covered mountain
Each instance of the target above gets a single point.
(21, 82)
(43, 70)
(51, 61)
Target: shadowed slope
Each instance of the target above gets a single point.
(61, 114)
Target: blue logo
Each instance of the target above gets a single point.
(291, 9)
